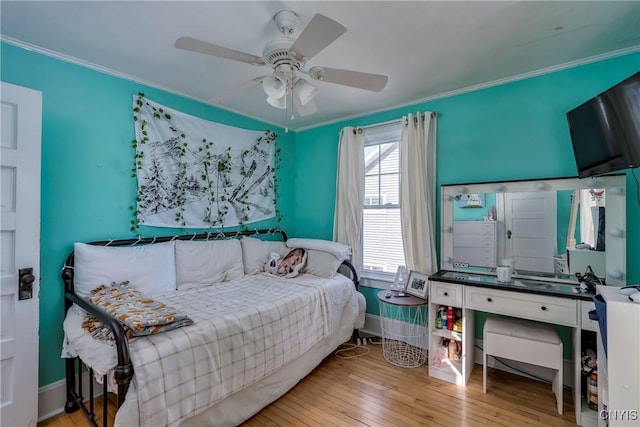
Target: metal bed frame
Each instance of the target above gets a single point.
(123, 371)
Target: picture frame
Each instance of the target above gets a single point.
(417, 285)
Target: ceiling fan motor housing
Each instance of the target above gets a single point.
(277, 53)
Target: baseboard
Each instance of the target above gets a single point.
(373, 326)
(52, 397)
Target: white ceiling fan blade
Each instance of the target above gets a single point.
(320, 33)
(195, 45)
(237, 91)
(367, 81)
(306, 109)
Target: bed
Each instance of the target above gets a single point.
(253, 335)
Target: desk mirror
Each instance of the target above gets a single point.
(550, 228)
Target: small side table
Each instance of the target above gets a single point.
(404, 329)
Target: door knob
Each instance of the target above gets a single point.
(508, 234)
(25, 283)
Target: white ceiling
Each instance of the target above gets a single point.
(427, 48)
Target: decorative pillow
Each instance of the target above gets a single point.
(321, 264)
(291, 264)
(256, 252)
(340, 250)
(201, 263)
(150, 268)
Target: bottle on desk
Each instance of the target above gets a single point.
(439, 320)
(450, 320)
(443, 315)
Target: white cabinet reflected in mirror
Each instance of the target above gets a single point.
(549, 228)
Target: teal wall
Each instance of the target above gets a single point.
(513, 131)
(510, 132)
(87, 188)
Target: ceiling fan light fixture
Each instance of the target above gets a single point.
(305, 91)
(280, 102)
(274, 86)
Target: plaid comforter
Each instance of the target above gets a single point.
(243, 331)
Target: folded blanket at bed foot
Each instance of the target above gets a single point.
(139, 314)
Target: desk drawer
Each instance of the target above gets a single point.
(588, 324)
(446, 293)
(542, 308)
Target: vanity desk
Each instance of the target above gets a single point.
(556, 303)
(538, 224)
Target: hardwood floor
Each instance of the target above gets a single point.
(368, 391)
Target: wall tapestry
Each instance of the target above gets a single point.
(194, 173)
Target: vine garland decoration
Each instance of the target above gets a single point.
(214, 181)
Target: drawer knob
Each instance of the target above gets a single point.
(446, 294)
(544, 308)
(489, 300)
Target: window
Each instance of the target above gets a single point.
(382, 249)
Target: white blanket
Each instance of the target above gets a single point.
(243, 331)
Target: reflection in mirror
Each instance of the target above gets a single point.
(555, 228)
(536, 229)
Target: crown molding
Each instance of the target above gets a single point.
(473, 88)
(498, 82)
(86, 64)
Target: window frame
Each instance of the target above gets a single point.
(377, 135)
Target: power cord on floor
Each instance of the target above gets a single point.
(361, 345)
(370, 340)
(347, 347)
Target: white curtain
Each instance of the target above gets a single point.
(347, 222)
(590, 201)
(587, 234)
(417, 191)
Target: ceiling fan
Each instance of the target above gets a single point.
(287, 57)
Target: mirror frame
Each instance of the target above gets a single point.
(615, 225)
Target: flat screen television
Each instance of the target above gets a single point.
(605, 130)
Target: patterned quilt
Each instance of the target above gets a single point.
(243, 331)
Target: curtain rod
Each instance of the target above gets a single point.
(375, 125)
(389, 122)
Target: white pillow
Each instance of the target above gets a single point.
(321, 263)
(149, 268)
(205, 262)
(255, 253)
(340, 250)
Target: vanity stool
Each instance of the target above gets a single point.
(528, 342)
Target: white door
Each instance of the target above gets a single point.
(20, 251)
(530, 230)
